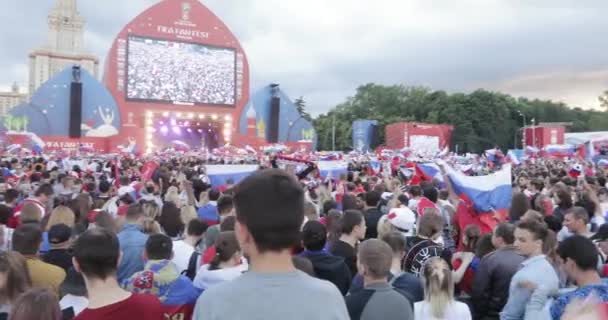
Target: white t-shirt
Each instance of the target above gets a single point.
(181, 254)
(455, 311)
(76, 302)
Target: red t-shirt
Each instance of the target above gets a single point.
(137, 306)
(466, 284)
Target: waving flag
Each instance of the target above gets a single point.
(179, 145)
(219, 174)
(560, 150)
(486, 199)
(332, 168)
(13, 148)
(375, 166)
(512, 157)
(431, 171)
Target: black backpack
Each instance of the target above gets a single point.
(191, 271)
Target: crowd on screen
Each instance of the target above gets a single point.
(101, 240)
(180, 72)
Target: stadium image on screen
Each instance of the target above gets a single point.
(178, 72)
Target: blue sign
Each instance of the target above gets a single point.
(363, 134)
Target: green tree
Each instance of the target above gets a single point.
(301, 107)
(481, 119)
(604, 100)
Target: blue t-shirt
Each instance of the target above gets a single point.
(600, 291)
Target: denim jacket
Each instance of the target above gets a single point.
(537, 270)
(132, 244)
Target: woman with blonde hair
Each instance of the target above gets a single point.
(59, 215)
(172, 195)
(439, 302)
(187, 214)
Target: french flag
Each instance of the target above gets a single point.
(486, 199)
(219, 174)
(332, 169)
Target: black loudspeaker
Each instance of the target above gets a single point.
(273, 126)
(75, 109)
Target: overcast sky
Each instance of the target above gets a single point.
(323, 50)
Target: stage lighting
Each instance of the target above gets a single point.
(201, 116)
(190, 115)
(189, 130)
(161, 122)
(173, 122)
(198, 124)
(177, 130)
(165, 114)
(179, 114)
(164, 130)
(200, 130)
(214, 116)
(228, 118)
(187, 123)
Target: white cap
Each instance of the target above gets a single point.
(403, 219)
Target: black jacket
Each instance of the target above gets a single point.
(492, 280)
(372, 216)
(330, 268)
(59, 257)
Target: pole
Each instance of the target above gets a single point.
(333, 133)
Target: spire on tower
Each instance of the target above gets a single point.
(66, 26)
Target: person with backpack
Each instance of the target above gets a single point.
(185, 249)
(378, 299)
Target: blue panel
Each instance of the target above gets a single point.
(363, 133)
(49, 109)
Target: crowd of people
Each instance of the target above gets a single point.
(102, 241)
(181, 72)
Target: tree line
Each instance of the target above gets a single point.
(481, 119)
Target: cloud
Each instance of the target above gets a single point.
(323, 50)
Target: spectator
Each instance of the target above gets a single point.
(576, 220)
(406, 283)
(529, 238)
(493, 276)
(270, 210)
(74, 293)
(325, 265)
(425, 244)
(13, 270)
(104, 220)
(150, 227)
(96, 255)
(209, 212)
(226, 265)
(378, 299)
(30, 213)
(43, 198)
(580, 258)
(171, 222)
(183, 250)
(6, 233)
(59, 237)
(225, 208)
(372, 214)
(151, 209)
(563, 200)
(397, 220)
(26, 240)
(352, 231)
(59, 215)
(36, 304)
(161, 278)
(520, 204)
(132, 243)
(465, 262)
(439, 300)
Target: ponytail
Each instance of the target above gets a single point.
(226, 245)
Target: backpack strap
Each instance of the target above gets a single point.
(192, 263)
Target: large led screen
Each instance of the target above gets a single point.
(179, 72)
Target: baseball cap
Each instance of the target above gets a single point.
(403, 219)
(59, 233)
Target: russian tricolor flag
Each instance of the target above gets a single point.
(219, 174)
(487, 199)
(332, 169)
(560, 150)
